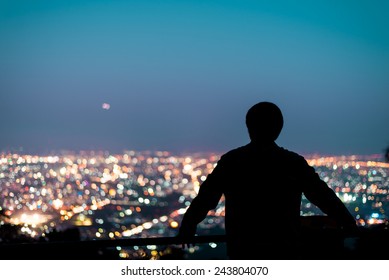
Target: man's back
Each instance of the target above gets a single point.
(261, 189)
(262, 185)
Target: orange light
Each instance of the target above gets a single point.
(173, 224)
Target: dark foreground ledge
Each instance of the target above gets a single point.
(316, 245)
(92, 249)
(319, 241)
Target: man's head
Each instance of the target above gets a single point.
(264, 122)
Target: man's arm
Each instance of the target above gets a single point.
(207, 199)
(318, 192)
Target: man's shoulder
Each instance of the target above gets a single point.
(290, 154)
(237, 152)
(232, 156)
(292, 158)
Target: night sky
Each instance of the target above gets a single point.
(180, 75)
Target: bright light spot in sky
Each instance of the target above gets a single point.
(106, 106)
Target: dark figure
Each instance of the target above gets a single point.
(263, 184)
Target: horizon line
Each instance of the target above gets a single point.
(171, 152)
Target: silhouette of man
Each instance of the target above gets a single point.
(262, 184)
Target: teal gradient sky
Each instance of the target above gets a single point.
(180, 75)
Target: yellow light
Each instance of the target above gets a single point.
(124, 255)
(154, 253)
(174, 224)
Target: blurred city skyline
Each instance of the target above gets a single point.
(145, 194)
(180, 76)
